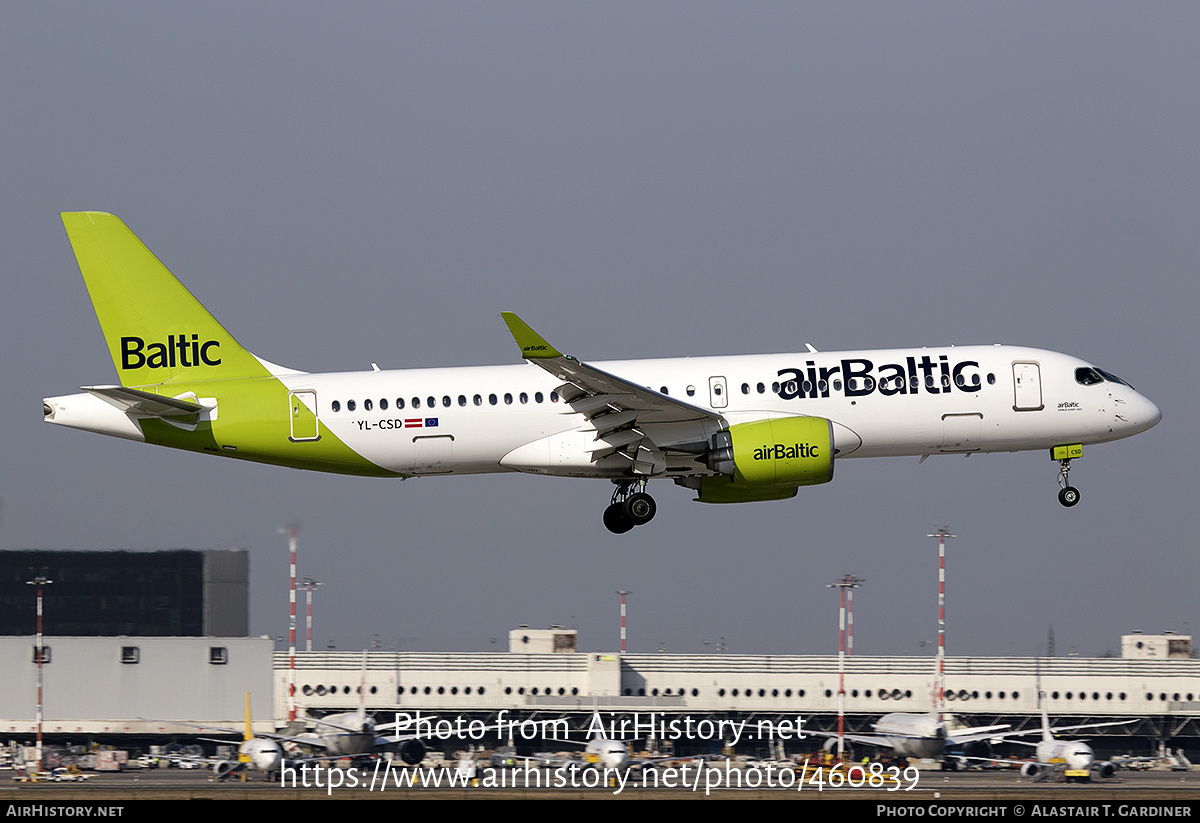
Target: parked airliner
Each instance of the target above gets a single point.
(255, 754)
(1073, 759)
(916, 735)
(733, 429)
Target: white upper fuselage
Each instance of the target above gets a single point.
(894, 403)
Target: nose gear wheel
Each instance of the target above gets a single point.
(1068, 495)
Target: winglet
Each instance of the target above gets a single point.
(533, 346)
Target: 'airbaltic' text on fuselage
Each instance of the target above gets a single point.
(859, 377)
(177, 351)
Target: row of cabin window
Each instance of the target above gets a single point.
(866, 383)
(431, 402)
(792, 387)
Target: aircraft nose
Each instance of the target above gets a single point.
(1148, 414)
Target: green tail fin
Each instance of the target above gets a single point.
(156, 331)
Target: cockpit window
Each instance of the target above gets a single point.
(1112, 378)
(1089, 376)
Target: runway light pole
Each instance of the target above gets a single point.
(940, 688)
(309, 584)
(622, 592)
(848, 583)
(41, 581)
(291, 532)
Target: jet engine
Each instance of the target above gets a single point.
(225, 768)
(1031, 769)
(412, 752)
(768, 459)
(1103, 768)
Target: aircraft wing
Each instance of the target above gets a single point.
(279, 738)
(866, 739)
(971, 735)
(1057, 729)
(634, 421)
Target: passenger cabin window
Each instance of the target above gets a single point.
(399, 402)
(335, 405)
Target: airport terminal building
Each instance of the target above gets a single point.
(99, 688)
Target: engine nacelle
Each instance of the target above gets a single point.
(412, 752)
(768, 459)
(227, 767)
(1103, 768)
(1030, 769)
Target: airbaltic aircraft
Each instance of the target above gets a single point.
(733, 429)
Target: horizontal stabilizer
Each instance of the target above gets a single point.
(145, 404)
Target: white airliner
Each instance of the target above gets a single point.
(1074, 759)
(354, 733)
(916, 735)
(733, 429)
(255, 754)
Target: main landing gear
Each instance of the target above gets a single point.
(1068, 495)
(630, 506)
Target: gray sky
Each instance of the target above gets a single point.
(347, 183)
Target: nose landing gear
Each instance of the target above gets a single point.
(1068, 495)
(630, 506)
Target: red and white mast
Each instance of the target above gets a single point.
(939, 692)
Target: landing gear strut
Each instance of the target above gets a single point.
(1068, 495)
(630, 506)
